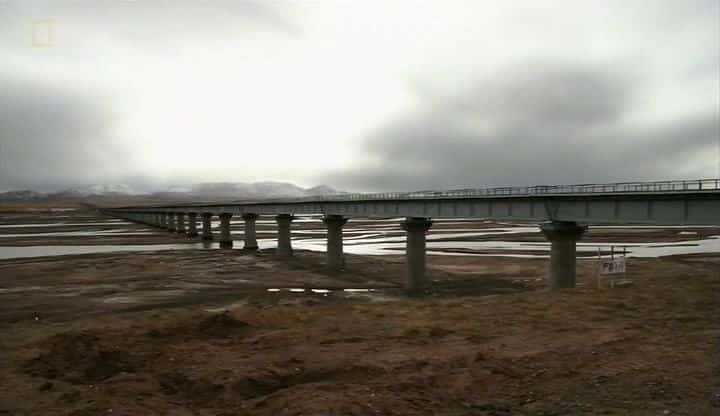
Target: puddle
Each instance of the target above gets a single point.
(120, 232)
(229, 307)
(51, 209)
(122, 299)
(24, 289)
(142, 297)
(372, 295)
(302, 290)
(66, 224)
(16, 252)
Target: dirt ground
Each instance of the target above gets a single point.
(197, 332)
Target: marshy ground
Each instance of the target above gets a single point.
(198, 332)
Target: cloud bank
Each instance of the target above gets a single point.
(363, 96)
(538, 123)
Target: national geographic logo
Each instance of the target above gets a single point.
(42, 33)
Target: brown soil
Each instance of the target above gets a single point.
(233, 349)
(196, 332)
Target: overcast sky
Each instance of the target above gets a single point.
(360, 95)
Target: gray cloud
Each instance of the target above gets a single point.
(52, 136)
(56, 132)
(534, 125)
(155, 92)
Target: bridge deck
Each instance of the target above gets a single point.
(694, 202)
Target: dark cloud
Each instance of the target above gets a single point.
(175, 71)
(538, 125)
(556, 96)
(56, 133)
(51, 137)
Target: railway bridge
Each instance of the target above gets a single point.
(563, 212)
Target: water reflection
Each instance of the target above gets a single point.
(366, 237)
(16, 252)
(442, 248)
(66, 224)
(119, 232)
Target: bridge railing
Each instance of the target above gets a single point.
(620, 187)
(697, 185)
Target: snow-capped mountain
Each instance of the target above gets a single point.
(102, 189)
(205, 191)
(19, 195)
(322, 190)
(268, 189)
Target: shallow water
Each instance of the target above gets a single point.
(16, 252)
(504, 248)
(66, 224)
(122, 232)
(513, 248)
(365, 237)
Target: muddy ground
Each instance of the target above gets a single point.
(197, 332)
(122, 232)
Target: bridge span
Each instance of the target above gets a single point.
(563, 213)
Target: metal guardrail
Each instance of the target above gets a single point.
(619, 187)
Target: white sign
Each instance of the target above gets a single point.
(613, 266)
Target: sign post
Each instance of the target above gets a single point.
(612, 266)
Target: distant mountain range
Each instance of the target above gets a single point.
(210, 190)
(242, 190)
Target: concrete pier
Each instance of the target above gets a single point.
(207, 234)
(335, 256)
(250, 233)
(284, 244)
(162, 220)
(171, 222)
(562, 236)
(192, 224)
(225, 238)
(180, 222)
(416, 228)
